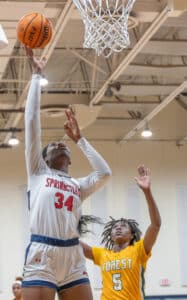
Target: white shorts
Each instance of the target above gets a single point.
(54, 266)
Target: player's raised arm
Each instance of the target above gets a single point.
(32, 116)
(144, 182)
(101, 171)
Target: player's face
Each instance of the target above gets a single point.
(58, 153)
(16, 289)
(121, 232)
(58, 148)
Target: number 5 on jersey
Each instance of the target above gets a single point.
(116, 279)
(60, 203)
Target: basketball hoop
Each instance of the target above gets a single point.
(106, 24)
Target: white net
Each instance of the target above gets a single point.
(106, 24)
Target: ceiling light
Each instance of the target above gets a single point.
(43, 81)
(146, 133)
(13, 141)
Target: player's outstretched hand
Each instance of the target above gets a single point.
(71, 126)
(143, 179)
(37, 64)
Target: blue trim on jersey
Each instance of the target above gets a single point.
(31, 283)
(54, 242)
(73, 283)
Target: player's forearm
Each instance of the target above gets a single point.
(153, 209)
(32, 121)
(87, 250)
(96, 160)
(32, 108)
(76, 138)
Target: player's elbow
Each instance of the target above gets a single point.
(156, 226)
(158, 221)
(107, 174)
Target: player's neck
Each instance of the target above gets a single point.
(62, 168)
(18, 298)
(120, 246)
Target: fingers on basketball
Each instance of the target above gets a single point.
(29, 51)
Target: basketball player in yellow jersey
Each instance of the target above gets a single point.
(124, 258)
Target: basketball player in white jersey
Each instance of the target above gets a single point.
(54, 260)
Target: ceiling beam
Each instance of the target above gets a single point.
(174, 48)
(155, 111)
(93, 78)
(64, 99)
(174, 71)
(87, 61)
(177, 47)
(160, 19)
(142, 90)
(123, 108)
(47, 52)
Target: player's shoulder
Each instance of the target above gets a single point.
(135, 246)
(75, 181)
(99, 249)
(138, 244)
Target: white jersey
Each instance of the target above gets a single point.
(55, 197)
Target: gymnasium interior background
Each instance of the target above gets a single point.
(115, 98)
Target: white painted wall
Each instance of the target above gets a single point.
(169, 170)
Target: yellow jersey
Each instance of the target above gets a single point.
(121, 271)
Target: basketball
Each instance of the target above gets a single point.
(34, 30)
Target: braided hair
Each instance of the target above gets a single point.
(106, 235)
(44, 151)
(85, 220)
